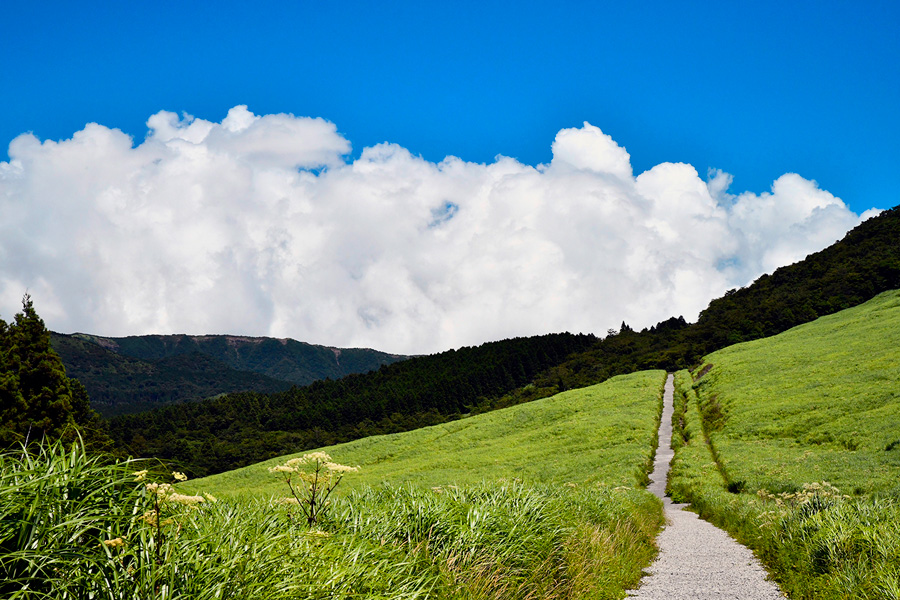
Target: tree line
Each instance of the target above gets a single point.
(238, 429)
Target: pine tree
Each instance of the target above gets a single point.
(12, 404)
(37, 399)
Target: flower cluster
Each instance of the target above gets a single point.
(167, 504)
(319, 474)
(312, 460)
(151, 518)
(810, 492)
(315, 468)
(165, 492)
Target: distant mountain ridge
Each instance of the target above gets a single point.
(135, 373)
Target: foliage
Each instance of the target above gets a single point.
(138, 373)
(74, 526)
(311, 478)
(803, 467)
(507, 539)
(37, 399)
(239, 429)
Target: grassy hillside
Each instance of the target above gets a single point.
(225, 433)
(536, 501)
(804, 428)
(820, 402)
(602, 434)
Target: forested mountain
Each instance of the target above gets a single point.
(855, 269)
(224, 433)
(138, 373)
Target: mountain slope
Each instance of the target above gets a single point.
(219, 434)
(855, 269)
(137, 373)
(792, 444)
(285, 359)
(224, 433)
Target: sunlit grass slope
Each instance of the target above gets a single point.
(804, 428)
(819, 402)
(538, 501)
(601, 434)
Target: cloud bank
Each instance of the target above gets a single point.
(261, 225)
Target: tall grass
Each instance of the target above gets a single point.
(76, 526)
(72, 526)
(497, 540)
(786, 444)
(509, 540)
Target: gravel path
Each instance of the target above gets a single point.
(696, 560)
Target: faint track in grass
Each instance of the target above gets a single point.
(696, 560)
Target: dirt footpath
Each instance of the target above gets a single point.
(696, 560)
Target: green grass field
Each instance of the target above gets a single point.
(604, 434)
(791, 443)
(783, 417)
(820, 402)
(542, 500)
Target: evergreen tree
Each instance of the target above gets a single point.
(37, 399)
(12, 404)
(42, 377)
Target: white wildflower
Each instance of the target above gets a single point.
(340, 468)
(282, 469)
(184, 499)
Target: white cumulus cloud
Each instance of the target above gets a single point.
(261, 225)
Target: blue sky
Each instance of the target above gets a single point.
(292, 179)
(755, 89)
